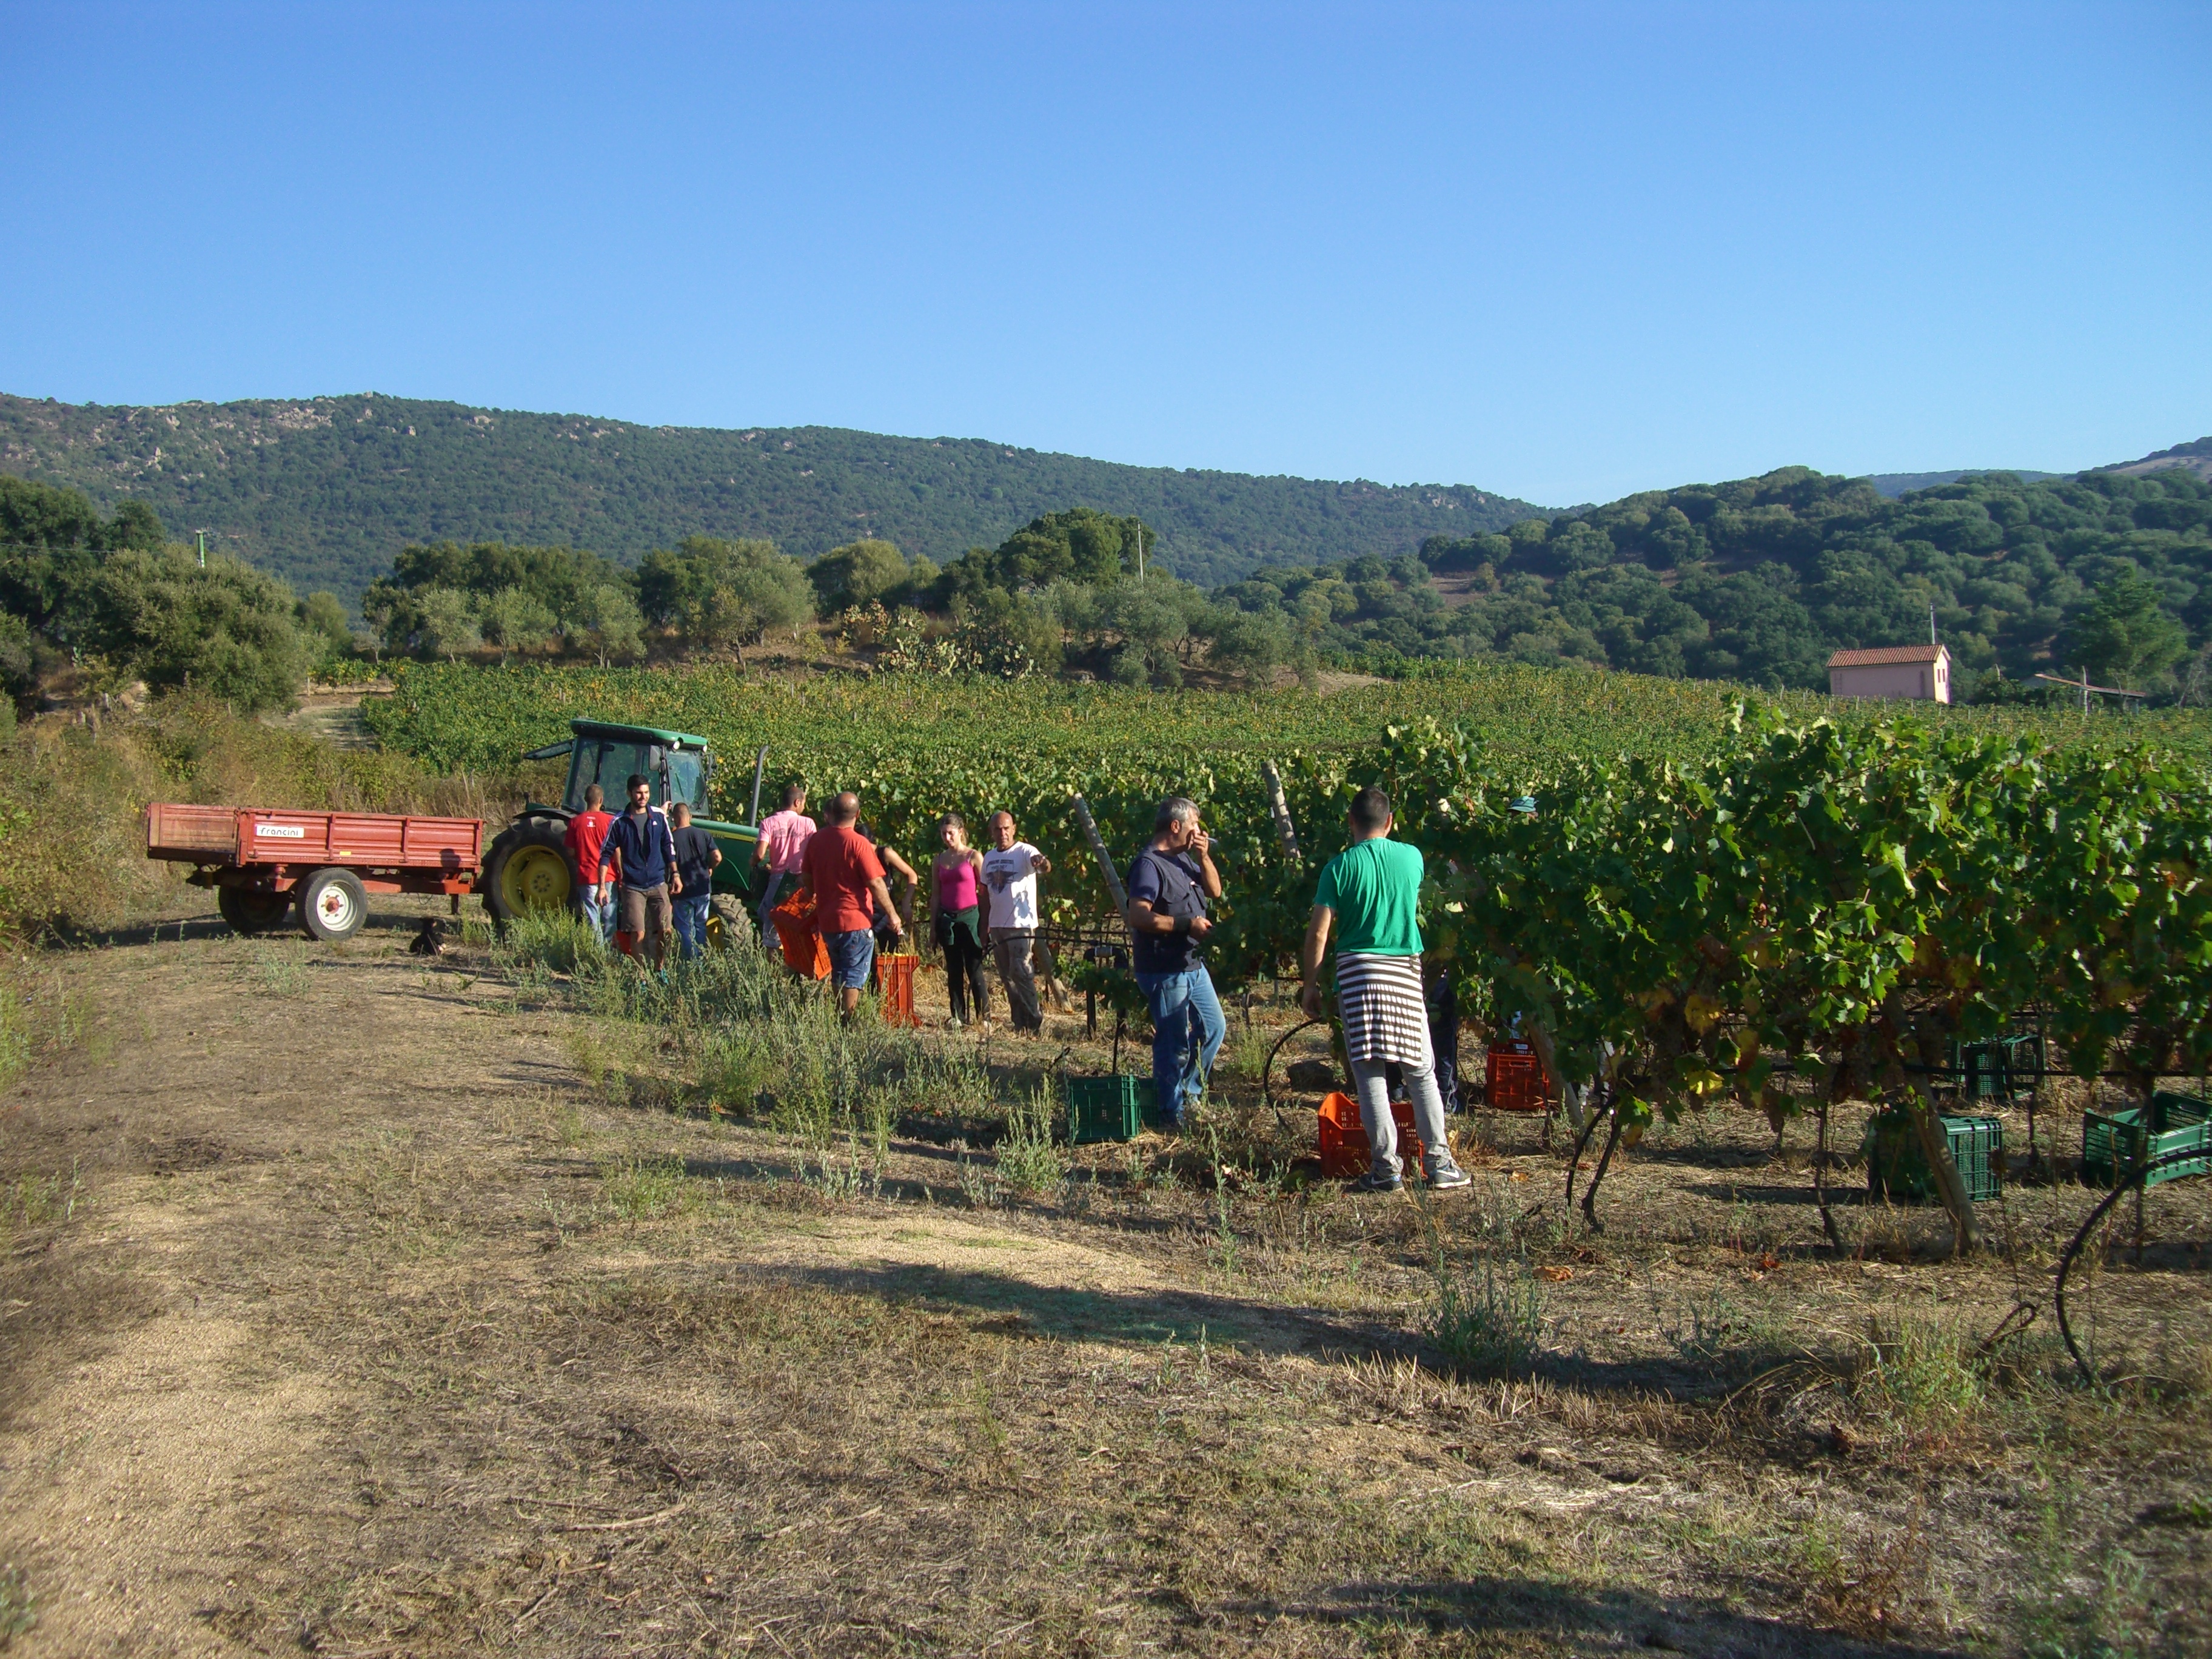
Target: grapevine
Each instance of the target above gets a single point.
(1708, 902)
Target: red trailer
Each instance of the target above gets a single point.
(263, 864)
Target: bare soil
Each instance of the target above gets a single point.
(341, 1314)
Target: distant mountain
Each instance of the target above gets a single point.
(325, 490)
(1894, 484)
(2194, 458)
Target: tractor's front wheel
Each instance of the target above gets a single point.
(726, 921)
(529, 869)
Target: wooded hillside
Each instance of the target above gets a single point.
(1760, 579)
(325, 491)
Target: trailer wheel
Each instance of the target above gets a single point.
(528, 869)
(333, 905)
(250, 911)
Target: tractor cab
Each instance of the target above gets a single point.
(529, 865)
(676, 764)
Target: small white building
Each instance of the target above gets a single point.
(1921, 671)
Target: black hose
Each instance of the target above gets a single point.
(1266, 1071)
(2134, 1183)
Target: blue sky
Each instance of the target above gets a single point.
(1562, 252)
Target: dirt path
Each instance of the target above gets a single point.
(362, 1325)
(335, 716)
(267, 1384)
(154, 1434)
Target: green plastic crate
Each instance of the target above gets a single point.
(1897, 1168)
(2005, 1068)
(2115, 1144)
(1109, 1108)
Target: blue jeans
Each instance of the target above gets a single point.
(851, 955)
(599, 918)
(691, 923)
(1187, 1028)
(777, 881)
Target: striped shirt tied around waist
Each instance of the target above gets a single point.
(1385, 1016)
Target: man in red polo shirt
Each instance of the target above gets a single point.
(843, 869)
(587, 832)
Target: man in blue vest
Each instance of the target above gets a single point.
(1168, 885)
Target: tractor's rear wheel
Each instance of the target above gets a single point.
(333, 905)
(251, 911)
(529, 869)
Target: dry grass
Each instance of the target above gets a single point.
(72, 796)
(534, 1306)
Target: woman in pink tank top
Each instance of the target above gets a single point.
(959, 929)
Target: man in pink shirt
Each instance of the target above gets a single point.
(588, 831)
(783, 838)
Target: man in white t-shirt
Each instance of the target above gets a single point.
(1010, 869)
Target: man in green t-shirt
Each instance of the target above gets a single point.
(1371, 890)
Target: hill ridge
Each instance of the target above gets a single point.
(324, 490)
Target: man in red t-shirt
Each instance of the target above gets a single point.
(587, 833)
(842, 868)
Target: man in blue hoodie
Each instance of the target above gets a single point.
(640, 854)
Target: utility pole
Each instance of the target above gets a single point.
(1932, 639)
(201, 535)
(1140, 556)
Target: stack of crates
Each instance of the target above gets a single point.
(1515, 1082)
(1344, 1153)
(1109, 1108)
(1897, 1168)
(2117, 1142)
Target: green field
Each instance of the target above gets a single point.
(458, 718)
(1722, 894)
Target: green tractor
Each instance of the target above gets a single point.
(529, 868)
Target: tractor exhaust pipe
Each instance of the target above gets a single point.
(759, 770)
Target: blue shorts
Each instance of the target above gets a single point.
(851, 955)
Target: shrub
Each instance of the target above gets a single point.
(1488, 1315)
(1029, 1162)
(226, 628)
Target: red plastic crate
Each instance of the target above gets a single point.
(1517, 1082)
(1344, 1153)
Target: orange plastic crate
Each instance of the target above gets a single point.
(1517, 1082)
(803, 952)
(1344, 1153)
(894, 985)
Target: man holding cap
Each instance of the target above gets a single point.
(1168, 885)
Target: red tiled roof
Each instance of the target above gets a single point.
(1875, 655)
